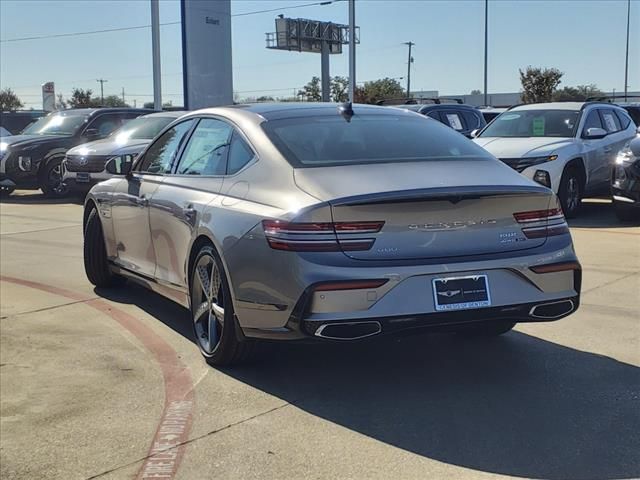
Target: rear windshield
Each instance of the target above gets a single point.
(323, 141)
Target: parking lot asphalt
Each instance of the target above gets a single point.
(109, 384)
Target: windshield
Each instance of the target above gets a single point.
(141, 128)
(533, 123)
(322, 141)
(57, 124)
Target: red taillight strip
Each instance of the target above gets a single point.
(319, 236)
(556, 267)
(547, 231)
(538, 215)
(350, 285)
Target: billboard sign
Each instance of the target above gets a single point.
(48, 97)
(206, 53)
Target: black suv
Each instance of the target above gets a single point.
(457, 115)
(33, 159)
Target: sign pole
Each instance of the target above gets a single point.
(352, 51)
(324, 68)
(155, 46)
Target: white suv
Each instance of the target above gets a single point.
(566, 146)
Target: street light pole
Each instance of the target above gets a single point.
(352, 51)
(626, 58)
(155, 47)
(411, 44)
(486, 49)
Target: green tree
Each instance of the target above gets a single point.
(578, 93)
(475, 91)
(61, 103)
(539, 84)
(82, 99)
(383, 89)
(112, 101)
(265, 98)
(339, 89)
(9, 101)
(311, 91)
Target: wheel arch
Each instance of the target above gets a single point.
(88, 206)
(578, 164)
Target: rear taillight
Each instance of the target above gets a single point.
(320, 236)
(542, 223)
(556, 267)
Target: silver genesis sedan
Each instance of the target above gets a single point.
(329, 222)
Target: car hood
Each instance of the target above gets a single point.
(16, 141)
(109, 146)
(505, 147)
(327, 183)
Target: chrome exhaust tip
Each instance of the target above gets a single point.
(552, 310)
(348, 330)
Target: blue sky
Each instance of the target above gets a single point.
(583, 38)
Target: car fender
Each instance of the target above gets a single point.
(101, 198)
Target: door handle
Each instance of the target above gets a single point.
(142, 201)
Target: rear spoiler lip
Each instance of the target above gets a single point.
(451, 194)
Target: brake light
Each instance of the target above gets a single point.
(319, 236)
(542, 223)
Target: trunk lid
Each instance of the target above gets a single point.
(430, 209)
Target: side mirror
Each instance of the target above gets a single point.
(594, 133)
(120, 165)
(474, 133)
(91, 133)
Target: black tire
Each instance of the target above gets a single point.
(626, 213)
(488, 329)
(228, 346)
(570, 192)
(50, 179)
(95, 254)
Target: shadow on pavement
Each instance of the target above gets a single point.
(35, 197)
(598, 214)
(514, 405)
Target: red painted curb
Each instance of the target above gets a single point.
(166, 450)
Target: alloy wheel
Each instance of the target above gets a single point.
(207, 298)
(56, 184)
(573, 193)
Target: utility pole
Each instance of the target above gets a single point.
(352, 51)
(626, 58)
(155, 47)
(409, 62)
(102, 82)
(486, 49)
(123, 95)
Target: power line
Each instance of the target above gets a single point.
(139, 27)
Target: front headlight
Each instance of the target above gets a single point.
(625, 155)
(538, 160)
(4, 149)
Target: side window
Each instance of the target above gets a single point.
(610, 121)
(472, 120)
(239, 154)
(454, 120)
(434, 114)
(206, 152)
(624, 118)
(159, 157)
(592, 121)
(106, 123)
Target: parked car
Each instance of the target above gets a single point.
(15, 122)
(566, 146)
(633, 109)
(462, 118)
(4, 132)
(625, 181)
(33, 159)
(83, 165)
(312, 221)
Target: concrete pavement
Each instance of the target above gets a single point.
(83, 387)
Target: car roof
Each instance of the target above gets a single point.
(273, 111)
(168, 114)
(550, 106)
(92, 111)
